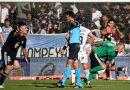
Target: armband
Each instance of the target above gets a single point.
(64, 47)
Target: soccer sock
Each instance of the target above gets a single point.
(67, 73)
(98, 68)
(91, 76)
(73, 75)
(78, 79)
(107, 73)
(3, 77)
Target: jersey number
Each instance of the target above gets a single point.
(81, 40)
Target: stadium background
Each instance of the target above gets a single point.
(49, 18)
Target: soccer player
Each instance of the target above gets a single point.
(106, 51)
(85, 48)
(15, 39)
(110, 65)
(74, 46)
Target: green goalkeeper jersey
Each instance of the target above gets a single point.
(106, 50)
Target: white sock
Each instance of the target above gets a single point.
(73, 76)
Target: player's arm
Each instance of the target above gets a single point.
(61, 51)
(24, 51)
(90, 41)
(25, 55)
(92, 38)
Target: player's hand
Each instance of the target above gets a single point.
(26, 61)
(61, 51)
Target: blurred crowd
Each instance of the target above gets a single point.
(48, 18)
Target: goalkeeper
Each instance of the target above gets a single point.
(106, 49)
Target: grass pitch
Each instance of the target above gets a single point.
(47, 85)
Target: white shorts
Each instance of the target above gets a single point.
(82, 56)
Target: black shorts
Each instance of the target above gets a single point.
(95, 60)
(73, 51)
(8, 57)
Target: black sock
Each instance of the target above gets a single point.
(107, 73)
(3, 77)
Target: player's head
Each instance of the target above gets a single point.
(69, 15)
(22, 28)
(93, 9)
(103, 30)
(80, 20)
(119, 47)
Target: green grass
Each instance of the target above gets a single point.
(47, 85)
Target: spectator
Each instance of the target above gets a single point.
(22, 10)
(30, 22)
(42, 15)
(7, 26)
(104, 20)
(12, 15)
(128, 20)
(49, 29)
(55, 28)
(96, 15)
(4, 13)
(43, 29)
(37, 28)
(74, 8)
(82, 14)
(112, 28)
(106, 9)
(58, 8)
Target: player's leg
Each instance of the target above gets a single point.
(68, 70)
(61, 83)
(107, 72)
(16, 64)
(123, 69)
(73, 76)
(84, 61)
(96, 65)
(110, 67)
(77, 73)
(8, 68)
(76, 65)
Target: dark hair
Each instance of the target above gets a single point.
(7, 19)
(70, 13)
(19, 24)
(102, 28)
(111, 20)
(80, 20)
(121, 43)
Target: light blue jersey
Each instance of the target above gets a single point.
(75, 34)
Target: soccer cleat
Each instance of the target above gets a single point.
(1, 86)
(88, 85)
(81, 86)
(73, 84)
(107, 78)
(59, 84)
